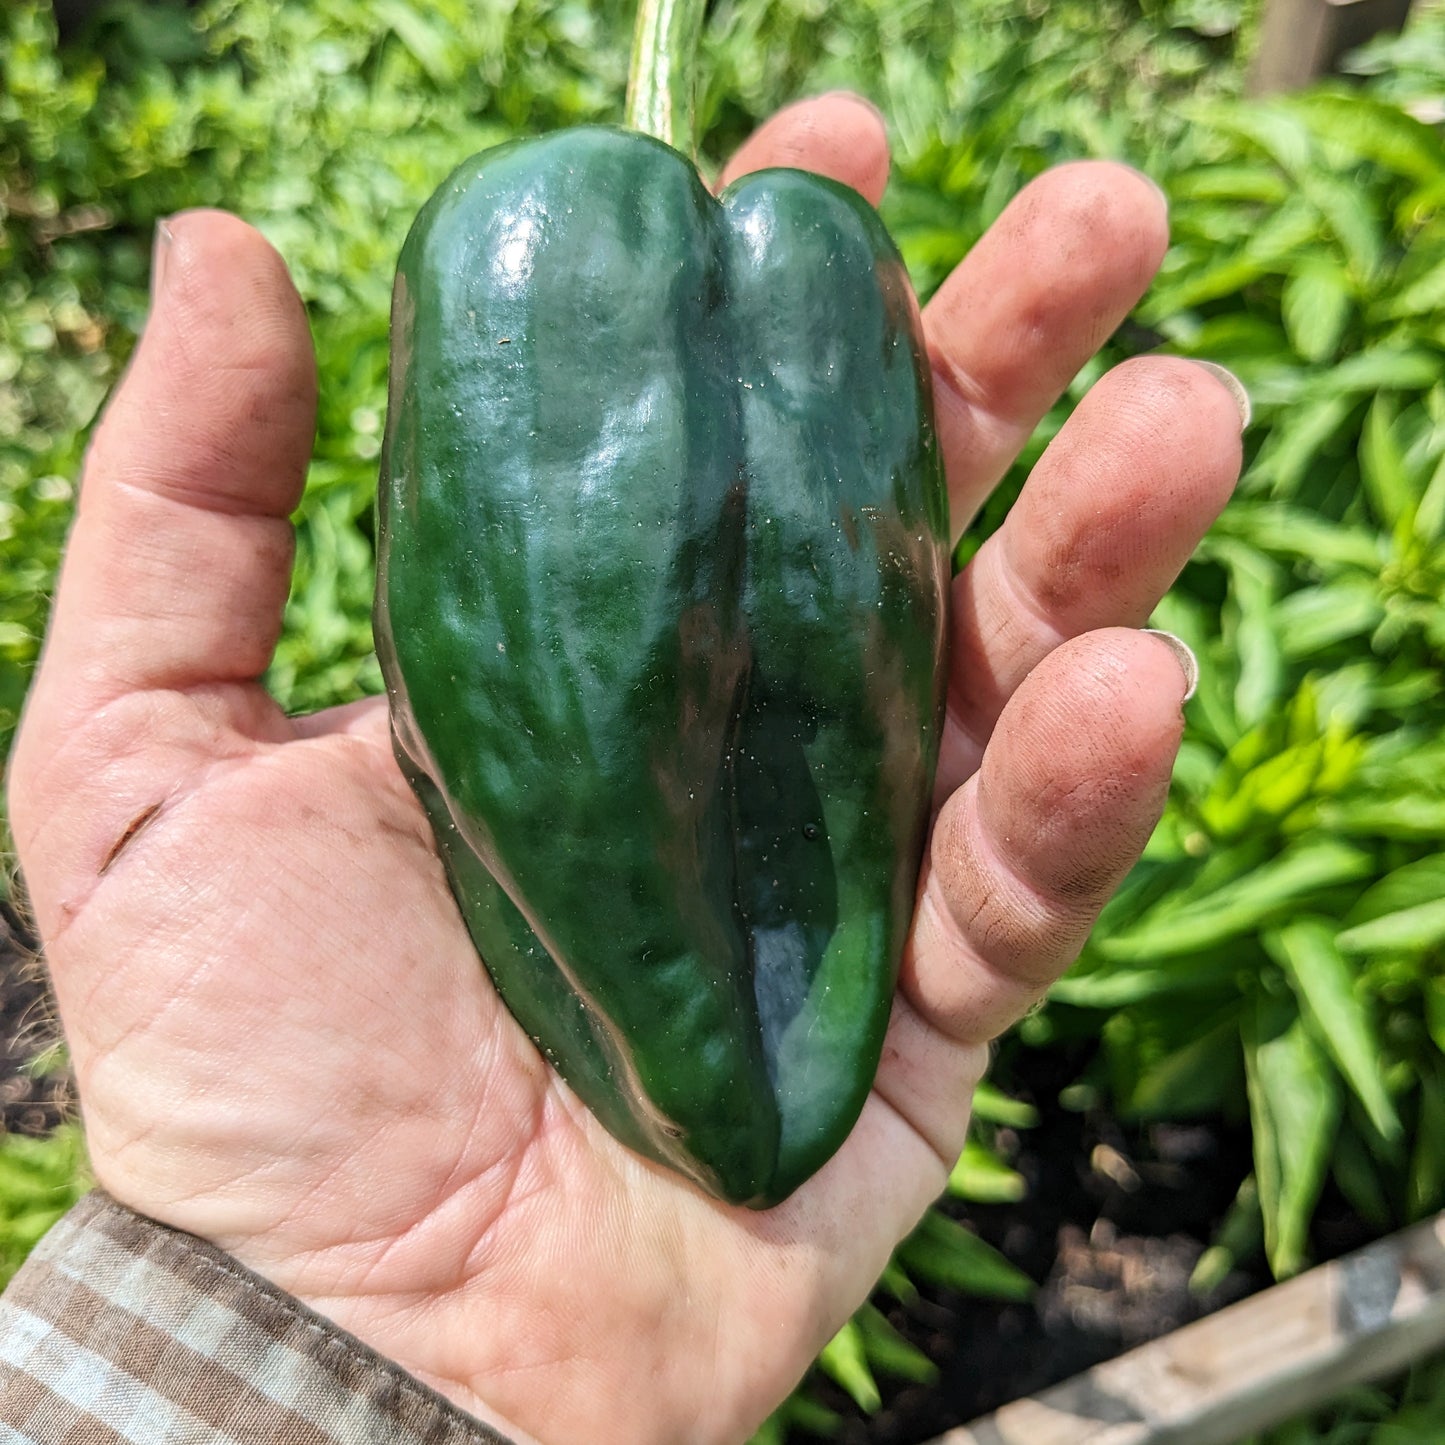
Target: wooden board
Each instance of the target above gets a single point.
(1301, 40)
(1251, 1365)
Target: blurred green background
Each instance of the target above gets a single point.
(1276, 958)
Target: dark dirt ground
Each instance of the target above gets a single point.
(1114, 1222)
(29, 1104)
(1115, 1219)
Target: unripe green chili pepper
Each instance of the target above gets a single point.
(660, 606)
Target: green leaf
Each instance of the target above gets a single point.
(432, 50)
(773, 1431)
(811, 1415)
(1276, 130)
(1284, 234)
(1419, 881)
(1297, 440)
(1316, 306)
(1388, 483)
(1261, 664)
(1192, 1079)
(1254, 580)
(1294, 1106)
(1348, 695)
(1381, 132)
(1294, 532)
(1212, 707)
(1408, 816)
(1435, 1011)
(844, 1360)
(1196, 765)
(1430, 514)
(1417, 928)
(890, 1351)
(1255, 183)
(39, 1180)
(1238, 1239)
(993, 1106)
(1266, 792)
(1315, 618)
(1112, 987)
(1325, 984)
(1425, 1192)
(981, 1177)
(1240, 907)
(945, 1253)
(1357, 1171)
(1425, 296)
(894, 1281)
(1383, 368)
(1356, 227)
(1224, 278)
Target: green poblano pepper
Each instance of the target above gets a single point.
(661, 611)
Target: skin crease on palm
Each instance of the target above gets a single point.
(282, 1037)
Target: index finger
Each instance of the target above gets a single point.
(839, 135)
(1043, 289)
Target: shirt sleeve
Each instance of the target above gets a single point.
(119, 1331)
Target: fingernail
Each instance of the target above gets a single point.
(1153, 186)
(857, 100)
(1183, 655)
(1233, 385)
(160, 250)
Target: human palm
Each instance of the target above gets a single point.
(282, 1038)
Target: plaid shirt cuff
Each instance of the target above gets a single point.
(119, 1331)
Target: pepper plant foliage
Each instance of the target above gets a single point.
(1403, 1411)
(1278, 953)
(39, 1180)
(1281, 943)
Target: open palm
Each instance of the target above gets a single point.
(282, 1037)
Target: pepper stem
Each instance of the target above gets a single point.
(660, 88)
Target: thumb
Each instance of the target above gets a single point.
(177, 568)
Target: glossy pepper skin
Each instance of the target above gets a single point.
(660, 608)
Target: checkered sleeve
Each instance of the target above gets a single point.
(118, 1329)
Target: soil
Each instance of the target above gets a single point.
(1114, 1221)
(31, 1101)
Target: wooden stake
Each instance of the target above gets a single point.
(1263, 1360)
(1302, 39)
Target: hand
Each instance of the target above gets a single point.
(282, 1038)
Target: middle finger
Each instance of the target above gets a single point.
(1027, 307)
(1103, 526)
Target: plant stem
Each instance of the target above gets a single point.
(660, 88)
